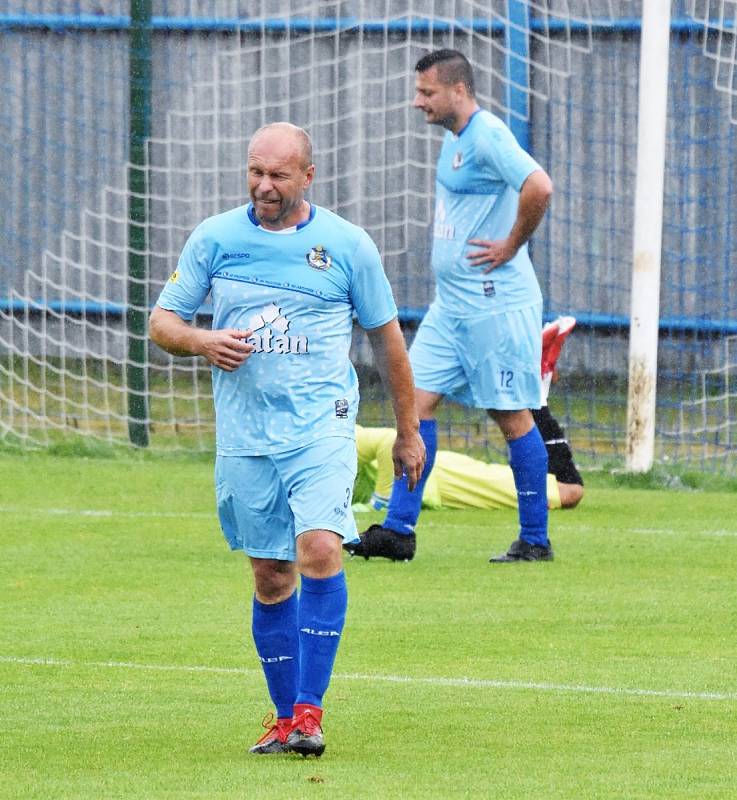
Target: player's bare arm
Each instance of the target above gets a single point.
(390, 355)
(225, 349)
(534, 198)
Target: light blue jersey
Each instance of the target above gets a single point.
(479, 176)
(297, 291)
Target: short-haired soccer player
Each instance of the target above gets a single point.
(285, 278)
(480, 340)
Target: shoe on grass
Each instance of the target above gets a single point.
(520, 550)
(275, 738)
(305, 736)
(380, 542)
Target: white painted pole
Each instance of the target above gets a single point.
(648, 232)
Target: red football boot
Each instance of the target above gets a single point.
(554, 335)
(305, 736)
(275, 738)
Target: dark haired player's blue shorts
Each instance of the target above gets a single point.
(490, 361)
(265, 502)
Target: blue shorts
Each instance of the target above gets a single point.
(490, 362)
(265, 502)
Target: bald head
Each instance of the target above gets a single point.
(285, 136)
(280, 170)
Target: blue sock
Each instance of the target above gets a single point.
(528, 459)
(404, 506)
(275, 633)
(322, 606)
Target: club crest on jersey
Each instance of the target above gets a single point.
(318, 258)
(269, 333)
(174, 277)
(458, 160)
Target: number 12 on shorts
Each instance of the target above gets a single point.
(506, 376)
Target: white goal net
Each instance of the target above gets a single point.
(564, 75)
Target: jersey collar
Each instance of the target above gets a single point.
(254, 219)
(470, 120)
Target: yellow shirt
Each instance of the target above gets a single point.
(456, 481)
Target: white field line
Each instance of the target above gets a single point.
(573, 528)
(112, 513)
(465, 683)
(671, 532)
(104, 512)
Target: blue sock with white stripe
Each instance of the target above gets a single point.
(404, 506)
(274, 629)
(528, 459)
(322, 607)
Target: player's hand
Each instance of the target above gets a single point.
(492, 254)
(408, 455)
(227, 348)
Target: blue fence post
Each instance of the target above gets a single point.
(517, 45)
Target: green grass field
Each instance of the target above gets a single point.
(128, 671)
